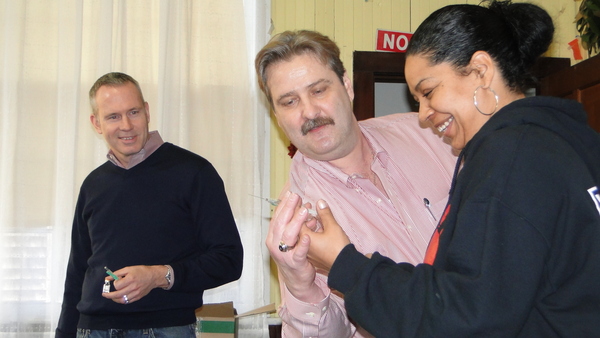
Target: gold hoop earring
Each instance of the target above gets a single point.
(477, 105)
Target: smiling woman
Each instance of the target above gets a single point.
(437, 88)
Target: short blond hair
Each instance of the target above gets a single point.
(111, 79)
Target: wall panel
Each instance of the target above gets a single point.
(325, 16)
(563, 13)
(400, 16)
(344, 28)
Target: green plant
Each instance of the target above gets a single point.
(588, 24)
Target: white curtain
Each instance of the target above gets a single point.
(194, 62)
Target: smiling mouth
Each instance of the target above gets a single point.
(129, 138)
(442, 127)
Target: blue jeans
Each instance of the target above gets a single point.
(186, 331)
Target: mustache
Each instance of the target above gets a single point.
(314, 123)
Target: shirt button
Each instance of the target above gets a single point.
(324, 308)
(378, 200)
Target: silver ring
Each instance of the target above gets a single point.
(125, 299)
(284, 247)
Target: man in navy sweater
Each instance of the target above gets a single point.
(154, 213)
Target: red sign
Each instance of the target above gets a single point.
(390, 41)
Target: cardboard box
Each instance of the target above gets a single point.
(220, 320)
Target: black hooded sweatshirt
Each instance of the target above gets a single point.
(517, 251)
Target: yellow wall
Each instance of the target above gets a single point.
(353, 25)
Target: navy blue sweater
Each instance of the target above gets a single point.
(169, 209)
(519, 245)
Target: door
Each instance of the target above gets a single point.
(580, 82)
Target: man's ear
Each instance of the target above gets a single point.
(147, 108)
(484, 67)
(348, 86)
(275, 115)
(96, 123)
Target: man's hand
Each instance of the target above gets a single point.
(325, 245)
(296, 271)
(135, 282)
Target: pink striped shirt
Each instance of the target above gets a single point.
(413, 164)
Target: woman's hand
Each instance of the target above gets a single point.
(325, 245)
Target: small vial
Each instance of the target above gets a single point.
(106, 287)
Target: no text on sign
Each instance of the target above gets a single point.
(390, 41)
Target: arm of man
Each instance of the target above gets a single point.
(77, 265)
(308, 307)
(221, 253)
(326, 318)
(219, 256)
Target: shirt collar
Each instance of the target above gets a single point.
(154, 142)
(380, 153)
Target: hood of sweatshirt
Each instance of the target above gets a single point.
(566, 118)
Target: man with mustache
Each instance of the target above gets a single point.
(385, 179)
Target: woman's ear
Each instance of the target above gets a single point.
(484, 66)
